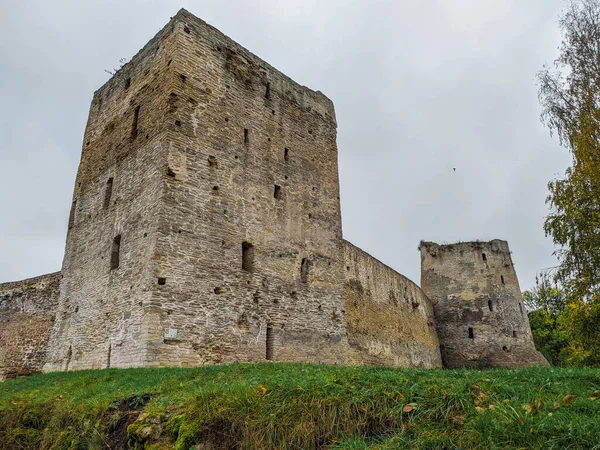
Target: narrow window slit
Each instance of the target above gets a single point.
(502, 278)
(127, 83)
(277, 192)
(72, 214)
(247, 257)
(134, 125)
(246, 136)
(514, 334)
(286, 154)
(471, 335)
(490, 305)
(484, 257)
(304, 270)
(108, 192)
(268, 91)
(521, 308)
(115, 252)
(270, 344)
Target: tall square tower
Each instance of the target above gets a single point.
(205, 225)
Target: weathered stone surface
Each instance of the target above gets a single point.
(203, 147)
(480, 316)
(390, 320)
(27, 311)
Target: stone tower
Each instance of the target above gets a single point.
(205, 223)
(480, 317)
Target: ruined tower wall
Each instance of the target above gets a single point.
(480, 316)
(118, 186)
(390, 320)
(27, 310)
(252, 159)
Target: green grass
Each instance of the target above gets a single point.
(295, 406)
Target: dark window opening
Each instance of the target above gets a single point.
(304, 270)
(218, 290)
(246, 136)
(268, 91)
(72, 214)
(178, 123)
(505, 348)
(502, 278)
(247, 257)
(286, 154)
(127, 83)
(270, 342)
(490, 305)
(108, 192)
(69, 355)
(212, 162)
(162, 281)
(186, 29)
(277, 192)
(471, 336)
(182, 77)
(115, 251)
(484, 257)
(134, 125)
(514, 334)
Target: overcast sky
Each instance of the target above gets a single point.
(420, 87)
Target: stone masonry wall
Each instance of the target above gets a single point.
(108, 263)
(26, 316)
(252, 162)
(480, 316)
(194, 150)
(390, 320)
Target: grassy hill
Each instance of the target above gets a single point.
(294, 406)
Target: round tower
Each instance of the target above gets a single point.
(480, 316)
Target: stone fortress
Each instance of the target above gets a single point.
(205, 228)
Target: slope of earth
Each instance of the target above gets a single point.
(296, 406)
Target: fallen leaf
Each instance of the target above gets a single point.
(568, 399)
(409, 407)
(261, 389)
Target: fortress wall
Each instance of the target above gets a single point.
(480, 316)
(119, 182)
(27, 311)
(231, 120)
(390, 320)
